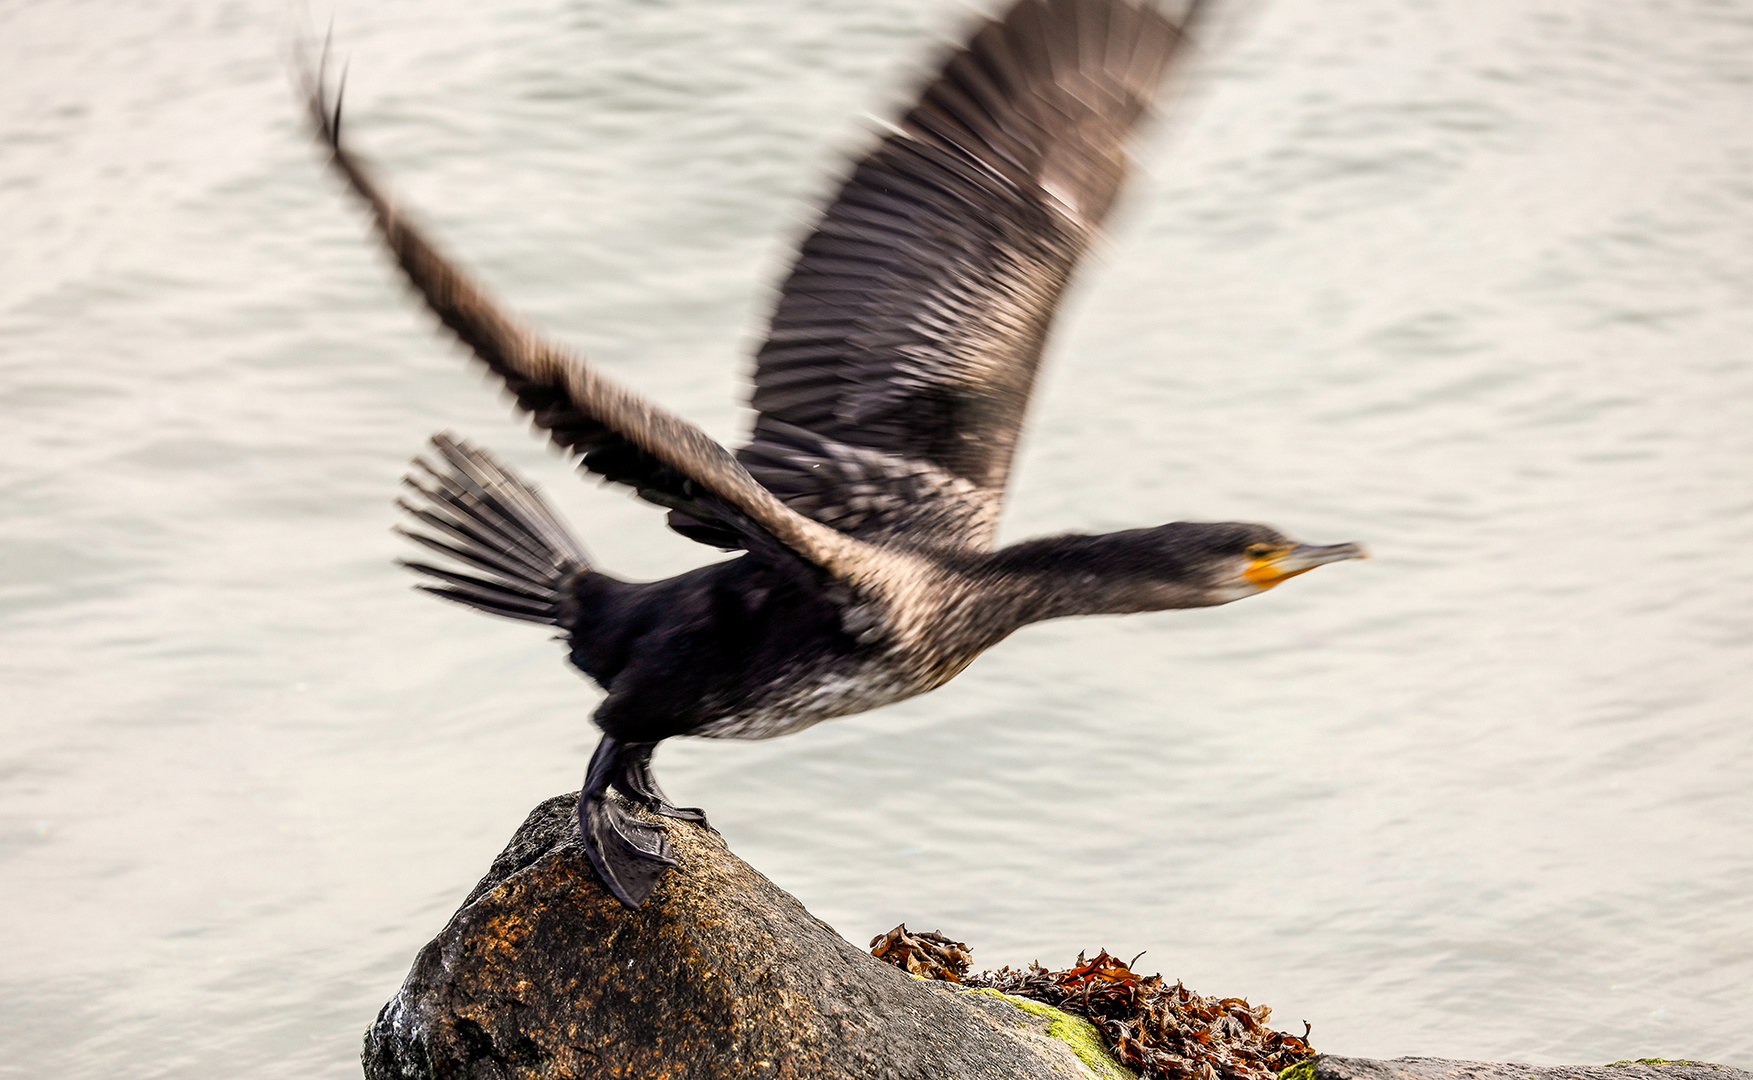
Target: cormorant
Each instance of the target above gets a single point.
(889, 395)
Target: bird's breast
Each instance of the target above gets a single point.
(920, 626)
(805, 697)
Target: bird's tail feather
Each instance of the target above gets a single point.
(480, 514)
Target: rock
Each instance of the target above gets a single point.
(723, 975)
(1329, 1067)
(541, 973)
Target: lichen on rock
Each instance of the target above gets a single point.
(543, 975)
(1074, 1031)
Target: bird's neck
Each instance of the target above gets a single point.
(1060, 576)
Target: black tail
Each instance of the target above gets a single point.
(493, 522)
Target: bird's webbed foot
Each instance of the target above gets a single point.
(630, 855)
(634, 780)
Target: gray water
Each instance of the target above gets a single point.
(1471, 283)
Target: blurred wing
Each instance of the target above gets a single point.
(897, 371)
(622, 437)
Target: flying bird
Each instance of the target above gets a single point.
(889, 396)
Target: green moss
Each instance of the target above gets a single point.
(1075, 1032)
(1302, 1070)
(1666, 1061)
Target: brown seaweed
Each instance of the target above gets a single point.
(1165, 1032)
(927, 953)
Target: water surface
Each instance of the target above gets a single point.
(1470, 283)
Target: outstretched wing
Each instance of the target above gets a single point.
(897, 371)
(622, 437)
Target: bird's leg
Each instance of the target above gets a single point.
(629, 855)
(634, 780)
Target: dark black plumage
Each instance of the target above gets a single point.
(890, 394)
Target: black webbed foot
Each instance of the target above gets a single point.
(634, 780)
(630, 855)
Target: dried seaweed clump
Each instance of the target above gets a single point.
(929, 953)
(1165, 1032)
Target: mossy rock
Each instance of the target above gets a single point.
(1075, 1032)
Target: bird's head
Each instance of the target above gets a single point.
(1179, 565)
(1197, 564)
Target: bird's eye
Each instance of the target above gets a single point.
(1259, 551)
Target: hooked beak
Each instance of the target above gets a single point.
(1286, 562)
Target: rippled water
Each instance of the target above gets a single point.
(1470, 283)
